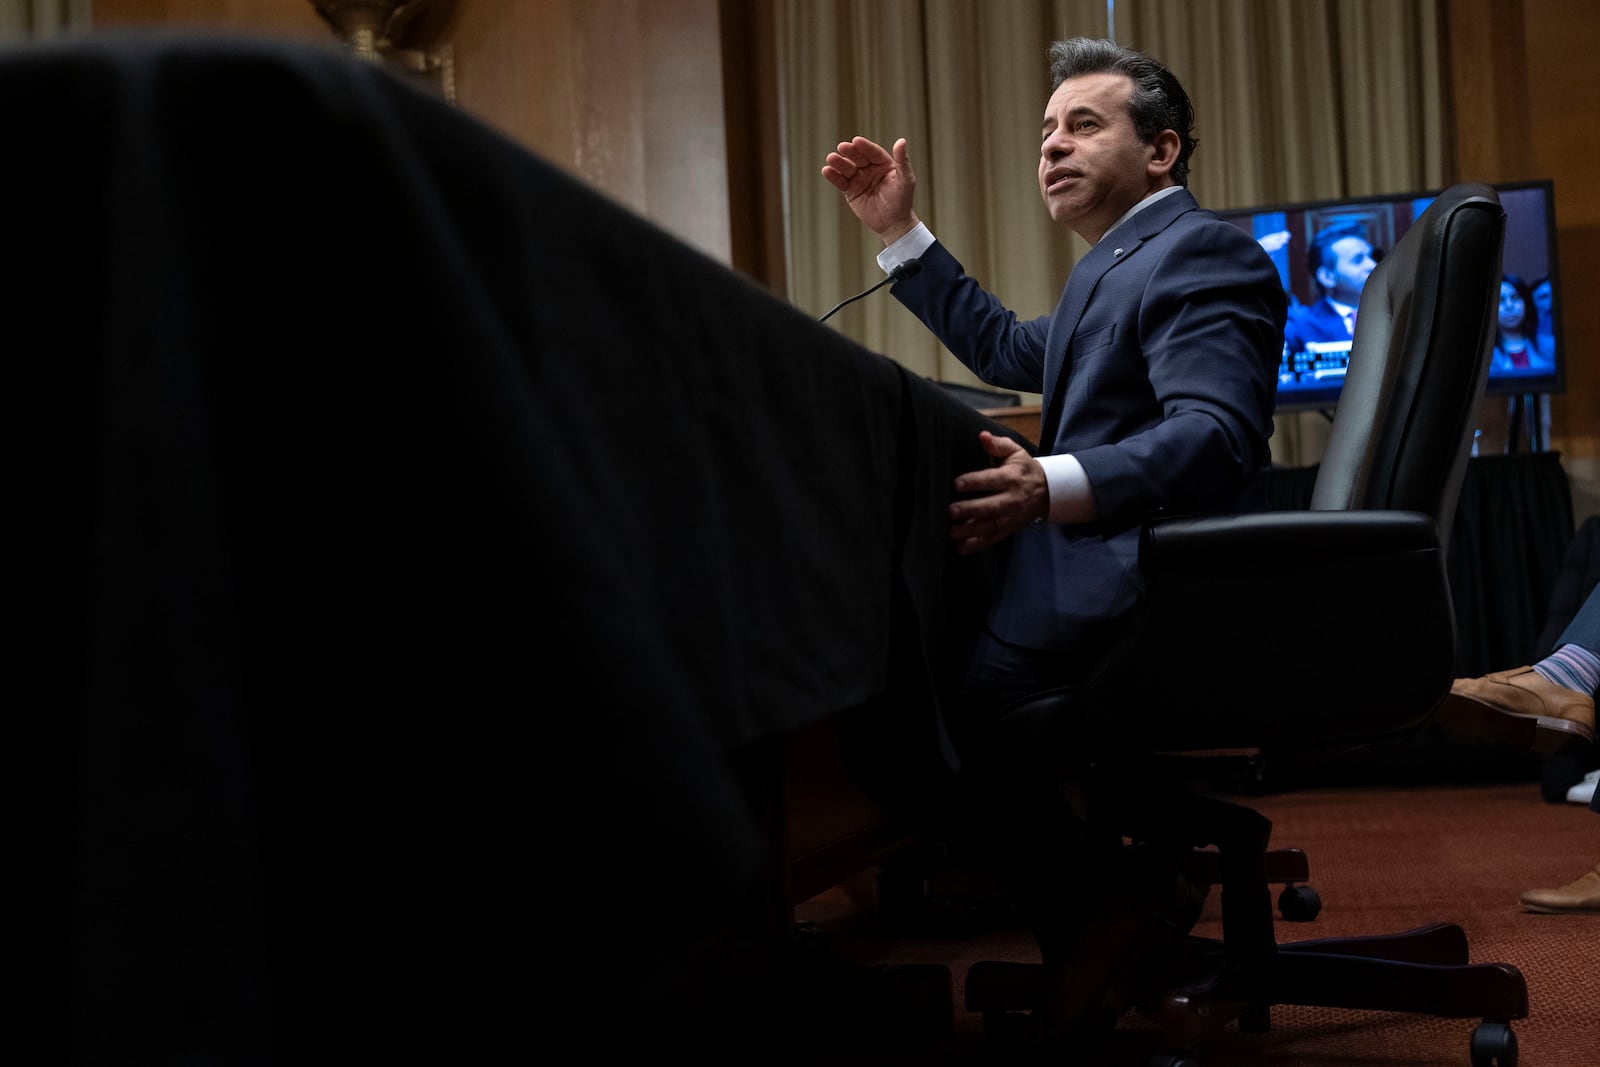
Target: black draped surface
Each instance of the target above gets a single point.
(1513, 524)
(403, 544)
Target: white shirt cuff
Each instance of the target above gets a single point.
(911, 245)
(1071, 496)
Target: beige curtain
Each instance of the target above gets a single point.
(1294, 100)
(22, 20)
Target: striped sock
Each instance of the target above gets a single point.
(1572, 666)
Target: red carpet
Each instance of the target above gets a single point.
(1383, 859)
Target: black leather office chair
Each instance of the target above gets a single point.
(1359, 655)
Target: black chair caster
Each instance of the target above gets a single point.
(1494, 1044)
(1299, 903)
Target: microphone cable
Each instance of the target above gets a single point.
(900, 273)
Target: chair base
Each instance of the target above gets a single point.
(1205, 988)
(1205, 984)
(1422, 971)
(918, 891)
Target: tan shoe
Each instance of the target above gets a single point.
(1521, 708)
(1582, 896)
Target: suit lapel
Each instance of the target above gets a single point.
(1116, 247)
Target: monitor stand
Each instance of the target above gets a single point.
(1528, 418)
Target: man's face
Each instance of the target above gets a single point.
(1092, 165)
(1352, 262)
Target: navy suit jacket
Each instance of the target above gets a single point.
(1320, 321)
(1157, 369)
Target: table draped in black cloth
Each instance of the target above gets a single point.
(1513, 524)
(402, 543)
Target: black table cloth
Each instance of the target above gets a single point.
(403, 542)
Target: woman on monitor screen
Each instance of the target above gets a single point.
(1544, 303)
(1516, 343)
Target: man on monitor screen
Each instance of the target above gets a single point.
(1318, 334)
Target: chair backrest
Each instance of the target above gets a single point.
(1402, 432)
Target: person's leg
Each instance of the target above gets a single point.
(1099, 910)
(1547, 707)
(1584, 629)
(1579, 897)
(1575, 663)
(1572, 667)
(1015, 818)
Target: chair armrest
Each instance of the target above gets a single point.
(1283, 538)
(1294, 627)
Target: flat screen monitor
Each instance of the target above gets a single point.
(1325, 249)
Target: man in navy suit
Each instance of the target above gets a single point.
(1157, 370)
(1339, 260)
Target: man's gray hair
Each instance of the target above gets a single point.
(1159, 102)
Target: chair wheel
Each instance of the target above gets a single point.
(1299, 903)
(1494, 1044)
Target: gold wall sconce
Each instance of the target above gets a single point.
(406, 36)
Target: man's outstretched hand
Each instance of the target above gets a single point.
(876, 184)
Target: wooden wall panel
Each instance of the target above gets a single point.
(1563, 110)
(1525, 88)
(754, 109)
(294, 18)
(626, 94)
